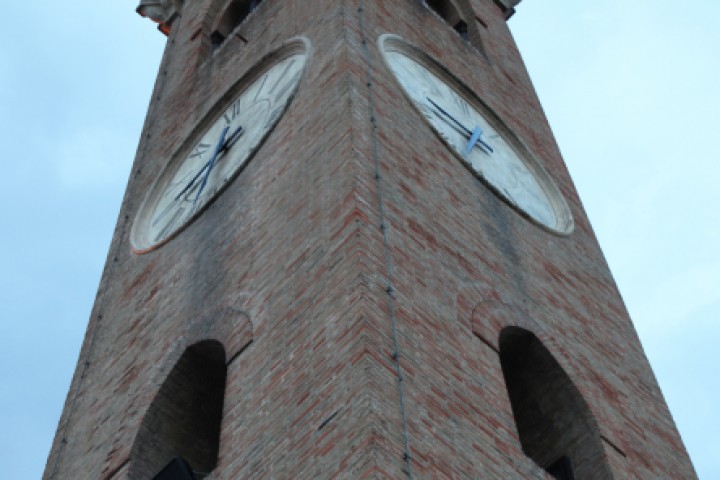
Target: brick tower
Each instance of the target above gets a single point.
(350, 248)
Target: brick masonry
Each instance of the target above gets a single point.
(288, 270)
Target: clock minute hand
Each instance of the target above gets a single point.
(474, 135)
(192, 181)
(442, 110)
(225, 146)
(211, 163)
(230, 141)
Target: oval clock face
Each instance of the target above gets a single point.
(226, 140)
(477, 136)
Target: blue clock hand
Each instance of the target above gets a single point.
(191, 182)
(442, 110)
(475, 138)
(211, 163)
(226, 145)
(474, 135)
(232, 138)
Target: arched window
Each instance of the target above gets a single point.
(181, 429)
(235, 12)
(554, 423)
(450, 13)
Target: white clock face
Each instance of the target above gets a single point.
(482, 142)
(232, 134)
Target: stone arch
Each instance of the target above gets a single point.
(197, 350)
(554, 423)
(185, 415)
(230, 324)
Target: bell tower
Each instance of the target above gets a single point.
(350, 248)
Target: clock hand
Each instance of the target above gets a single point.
(232, 139)
(442, 110)
(487, 147)
(225, 146)
(191, 183)
(474, 135)
(475, 138)
(211, 163)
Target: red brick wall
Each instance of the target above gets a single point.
(289, 267)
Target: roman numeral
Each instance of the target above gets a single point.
(428, 112)
(282, 76)
(232, 112)
(196, 206)
(290, 83)
(199, 150)
(169, 208)
(274, 115)
(260, 88)
(170, 223)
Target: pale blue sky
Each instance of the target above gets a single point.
(629, 89)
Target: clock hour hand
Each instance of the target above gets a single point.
(191, 183)
(211, 163)
(473, 136)
(465, 130)
(229, 142)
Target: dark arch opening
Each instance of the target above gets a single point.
(449, 12)
(233, 15)
(555, 425)
(185, 416)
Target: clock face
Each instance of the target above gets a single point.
(478, 137)
(227, 139)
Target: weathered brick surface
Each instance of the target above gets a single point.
(287, 268)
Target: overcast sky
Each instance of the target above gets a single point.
(630, 89)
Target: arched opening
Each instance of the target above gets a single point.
(181, 429)
(233, 15)
(554, 423)
(450, 13)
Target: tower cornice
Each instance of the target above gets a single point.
(508, 6)
(162, 12)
